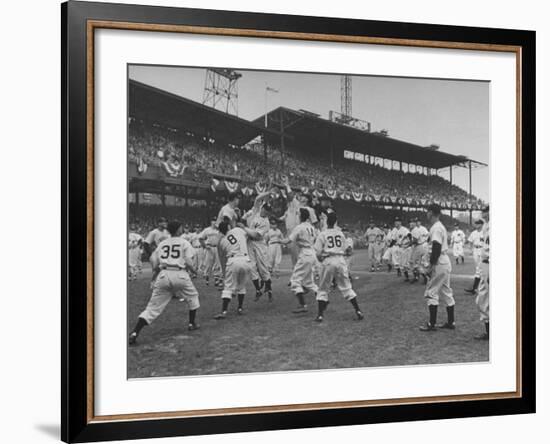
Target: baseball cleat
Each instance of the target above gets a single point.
(300, 309)
(469, 291)
(132, 339)
(428, 327)
(193, 327)
(221, 315)
(258, 295)
(482, 337)
(239, 311)
(360, 315)
(319, 318)
(447, 326)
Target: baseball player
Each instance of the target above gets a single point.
(457, 241)
(406, 251)
(476, 241)
(236, 262)
(156, 236)
(482, 298)
(398, 237)
(371, 236)
(209, 238)
(135, 242)
(230, 209)
(301, 280)
(274, 250)
(438, 287)
(258, 222)
(348, 250)
(420, 248)
(379, 245)
(330, 247)
(388, 247)
(171, 261)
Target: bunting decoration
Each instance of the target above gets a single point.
(357, 196)
(331, 193)
(214, 184)
(317, 193)
(231, 186)
(260, 187)
(173, 169)
(247, 191)
(345, 196)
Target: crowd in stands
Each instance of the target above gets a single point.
(202, 159)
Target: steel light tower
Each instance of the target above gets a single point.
(221, 90)
(345, 96)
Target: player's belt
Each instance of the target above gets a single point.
(478, 246)
(485, 261)
(238, 255)
(274, 242)
(171, 267)
(210, 245)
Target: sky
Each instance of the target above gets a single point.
(453, 114)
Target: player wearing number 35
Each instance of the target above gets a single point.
(171, 261)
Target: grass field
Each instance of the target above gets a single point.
(268, 337)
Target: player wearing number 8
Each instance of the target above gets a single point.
(330, 247)
(171, 261)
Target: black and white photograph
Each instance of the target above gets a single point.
(294, 221)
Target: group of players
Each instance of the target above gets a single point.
(239, 247)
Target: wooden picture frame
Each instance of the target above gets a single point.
(79, 22)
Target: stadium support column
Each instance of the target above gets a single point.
(470, 188)
(282, 128)
(451, 181)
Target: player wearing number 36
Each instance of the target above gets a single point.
(330, 247)
(171, 261)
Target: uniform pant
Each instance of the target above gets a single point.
(275, 255)
(371, 256)
(417, 256)
(294, 251)
(378, 251)
(334, 269)
(257, 252)
(302, 274)
(237, 274)
(439, 285)
(199, 259)
(169, 284)
(476, 253)
(405, 258)
(458, 249)
(134, 261)
(482, 299)
(211, 262)
(392, 254)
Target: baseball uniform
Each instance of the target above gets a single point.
(302, 275)
(330, 245)
(171, 257)
(233, 249)
(274, 250)
(439, 285)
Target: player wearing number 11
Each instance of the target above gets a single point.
(171, 261)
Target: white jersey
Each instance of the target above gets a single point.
(486, 234)
(134, 241)
(372, 234)
(398, 234)
(156, 236)
(173, 252)
(420, 234)
(291, 215)
(349, 246)
(331, 242)
(274, 236)
(234, 243)
(304, 237)
(438, 233)
(476, 239)
(211, 235)
(258, 224)
(457, 237)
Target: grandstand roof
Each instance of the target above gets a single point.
(313, 133)
(156, 105)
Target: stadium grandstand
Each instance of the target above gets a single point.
(184, 155)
